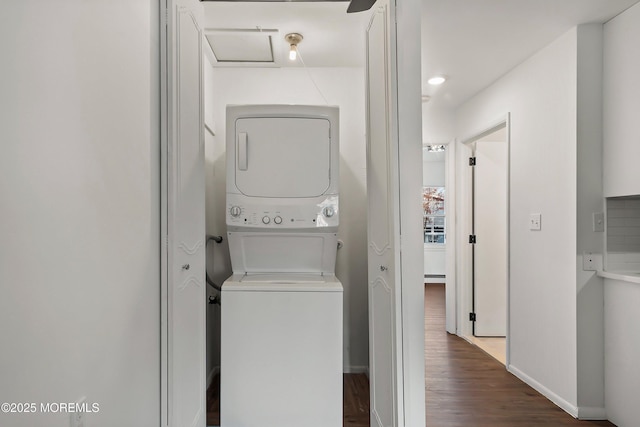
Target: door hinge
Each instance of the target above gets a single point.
(472, 238)
(472, 317)
(472, 161)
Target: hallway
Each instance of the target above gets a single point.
(467, 387)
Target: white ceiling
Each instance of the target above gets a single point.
(472, 42)
(332, 38)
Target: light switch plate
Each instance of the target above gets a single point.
(598, 221)
(535, 222)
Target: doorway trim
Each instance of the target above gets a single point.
(409, 135)
(451, 309)
(464, 202)
(164, 214)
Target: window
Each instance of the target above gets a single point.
(433, 215)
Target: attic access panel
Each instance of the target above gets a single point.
(272, 1)
(244, 47)
(354, 6)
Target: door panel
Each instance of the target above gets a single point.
(383, 202)
(490, 227)
(186, 315)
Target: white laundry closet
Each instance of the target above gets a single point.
(281, 358)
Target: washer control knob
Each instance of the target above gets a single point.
(277, 220)
(266, 220)
(328, 211)
(235, 211)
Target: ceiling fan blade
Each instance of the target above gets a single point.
(360, 5)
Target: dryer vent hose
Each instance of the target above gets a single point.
(216, 300)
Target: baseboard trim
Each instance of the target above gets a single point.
(356, 370)
(559, 401)
(212, 374)
(591, 413)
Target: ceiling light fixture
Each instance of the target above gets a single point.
(293, 39)
(436, 80)
(435, 148)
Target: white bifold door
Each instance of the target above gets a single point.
(385, 343)
(183, 303)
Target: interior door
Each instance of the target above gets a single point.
(490, 228)
(184, 333)
(385, 357)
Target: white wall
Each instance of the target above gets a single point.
(79, 202)
(435, 262)
(438, 123)
(621, 149)
(433, 172)
(621, 104)
(590, 200)
(543, 160)
(343, 87)
(555, 100)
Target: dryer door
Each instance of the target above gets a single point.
(283, 156)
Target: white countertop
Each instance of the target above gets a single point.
(625, 276)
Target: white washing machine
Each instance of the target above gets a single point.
(281, 351)
(281, 357)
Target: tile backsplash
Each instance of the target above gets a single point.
(623, 224)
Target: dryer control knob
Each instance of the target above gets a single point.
(266, 219)
(277, 220)
(328, 211)
(235, 211)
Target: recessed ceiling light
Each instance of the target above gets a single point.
(436, 80)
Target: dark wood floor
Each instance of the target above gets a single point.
(465, 387)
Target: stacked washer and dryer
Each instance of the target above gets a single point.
(281, 344)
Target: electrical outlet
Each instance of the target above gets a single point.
(535, 222)
(591, 261)
(77, 418)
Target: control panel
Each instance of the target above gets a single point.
(283, 216)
